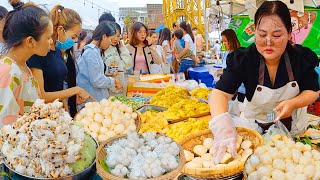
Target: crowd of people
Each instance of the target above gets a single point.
(49, 56)
(41, 59)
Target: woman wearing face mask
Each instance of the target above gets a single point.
(118, 55)
(91, 74)
(280, 79)
(23, 37)
(51, 71)
(142, 54)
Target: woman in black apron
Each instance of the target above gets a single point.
(278, 77)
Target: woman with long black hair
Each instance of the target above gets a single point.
(190, 44)
(91, 75)
(118, 55)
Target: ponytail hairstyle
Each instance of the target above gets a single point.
(118, 28)
(104, 28)
(65, 17)
(187, 28)
(165, 35)
(3, 13)
(82, 37)
(25, 20)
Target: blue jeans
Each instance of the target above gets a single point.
(185, 64)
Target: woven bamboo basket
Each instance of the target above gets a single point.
(220, 171)
(136, 121)
(101, 154)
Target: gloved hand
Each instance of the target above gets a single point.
(225, 136)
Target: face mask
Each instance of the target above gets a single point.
(67, 44)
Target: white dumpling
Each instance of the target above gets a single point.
(316, 155)
(300, 177)
(254, 161)
(290, 175)
(285, 152)
(299, 169)
(207, 143)
(279, 144)
(299, 146)
(290, 144)
(305, 161)
(253, 176)
(316, 176)
(275, 153)
(207, 157)
(309, 171)
(261, 150)
(296, 155)
(249, 169)
(278, 175)
(279, 164)
(307, 154)
(264, 171)
(290, 167)
(266, 159)
(306, 147)
(246, 144)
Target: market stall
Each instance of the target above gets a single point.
(173, 142)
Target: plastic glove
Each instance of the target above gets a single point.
(225, 136)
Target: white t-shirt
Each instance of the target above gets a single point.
(192, 45)
(217, 48)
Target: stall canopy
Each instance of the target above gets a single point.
(159, 28)
(248, 7)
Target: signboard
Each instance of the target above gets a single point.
(305, 29)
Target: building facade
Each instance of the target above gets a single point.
(151, 15)
(155, 15)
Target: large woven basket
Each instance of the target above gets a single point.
(136, 121)
(189, 142)
(101, 155)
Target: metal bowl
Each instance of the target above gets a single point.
(85, 174)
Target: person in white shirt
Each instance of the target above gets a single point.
(190, 44)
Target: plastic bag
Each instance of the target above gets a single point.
(156, 69)
(277, 129)
(243, 122)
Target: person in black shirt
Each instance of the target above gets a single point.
(54, 70)
(279, 78)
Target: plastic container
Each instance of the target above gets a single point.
(201, 73)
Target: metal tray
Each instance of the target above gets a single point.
(238, 176)
(151, 107)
